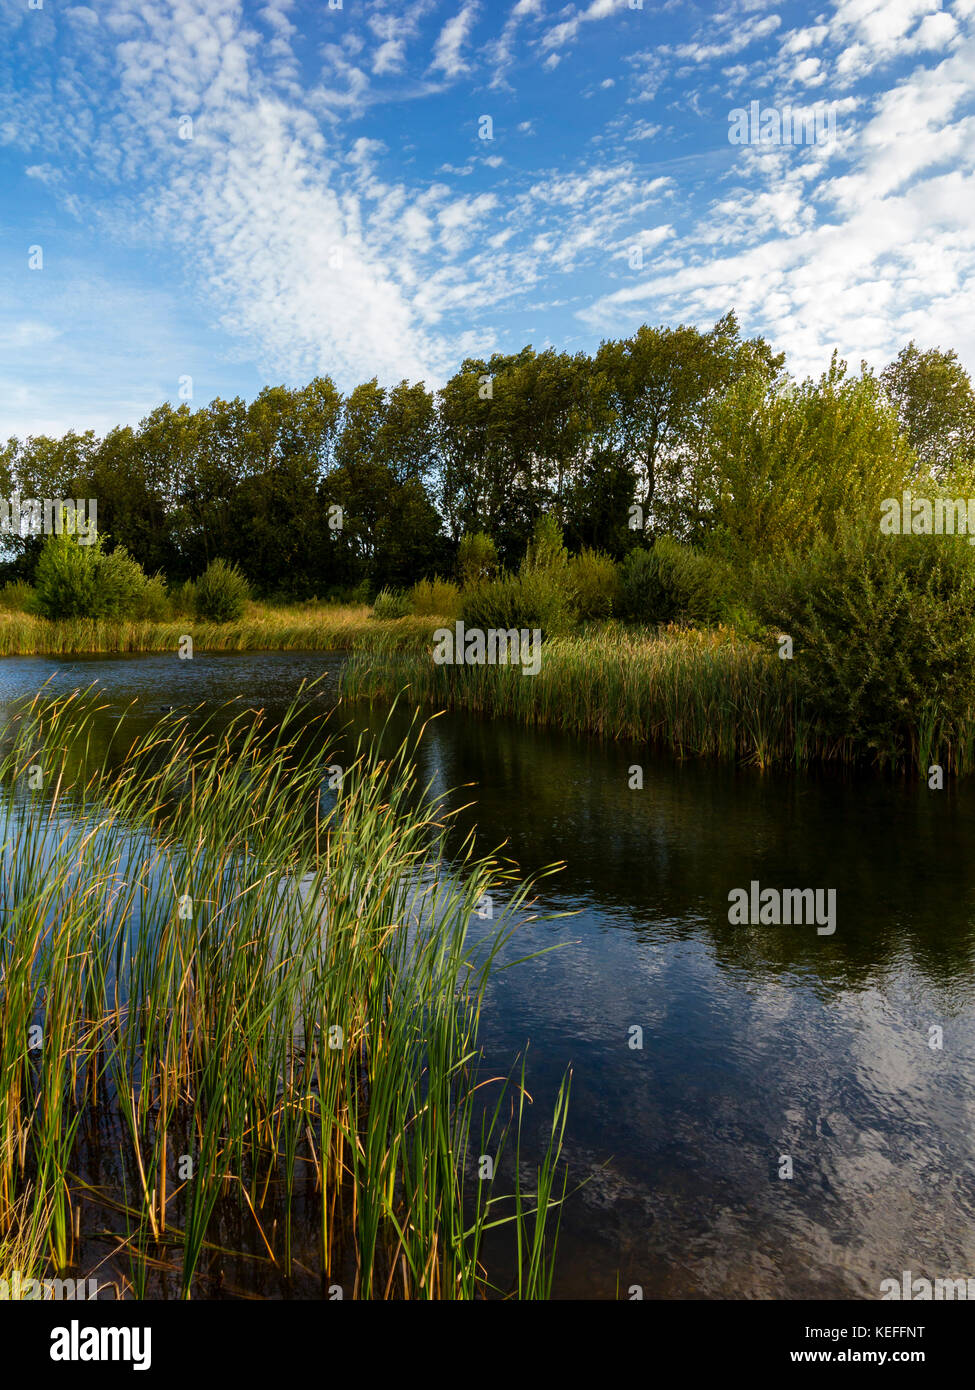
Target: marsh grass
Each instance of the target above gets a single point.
(702, 693)
(258, 1013)
(262, 627)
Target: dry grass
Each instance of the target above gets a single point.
(262, 628)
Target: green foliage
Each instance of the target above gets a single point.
(493, 603)
(435, 598)
(784, 467)
(477, 559)
(16, 596)
(536, 599)
(673, 582)
(65, 579)
(883, 630)
(183, 600)
(121, 585)
(595, 584)
(153, 604)
(546, 550)
(932, 394)
(390, 603)
(83, 581)
(221, 592)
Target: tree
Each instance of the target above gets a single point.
(784, 466)
(477, 559)
(932, 394)
(660, 384)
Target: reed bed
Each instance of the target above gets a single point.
(320, 627)
(232, 1008)
(709, 694)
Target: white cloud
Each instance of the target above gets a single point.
(448, 53)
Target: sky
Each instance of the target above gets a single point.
(202, 197)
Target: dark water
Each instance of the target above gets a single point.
(758, 1042)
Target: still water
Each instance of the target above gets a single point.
(759, 1044)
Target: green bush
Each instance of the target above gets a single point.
(435, 598)
(477, 559)
(546, 549)
(153, 604)
(221, 592)
(883, 631)
(16, 596)
(673, 582)
(182, 601)
(595, 583)
(83, 581)
(121, 584)
(493, 603)
(536, 599)
(391, 603)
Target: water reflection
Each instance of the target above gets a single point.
(757, 1042)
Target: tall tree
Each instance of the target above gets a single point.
(932, 394)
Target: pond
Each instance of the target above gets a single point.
(758, 1111)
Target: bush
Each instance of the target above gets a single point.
(595, 583)
(535, 599)
(182, 601)
(16, 596)
(153, 604)
(82, 581)
(221, 592)
(435, 598)
(391, 603)
(673, 582)
(883, 632)
(477, 559)
(546, 549)
(121, 584)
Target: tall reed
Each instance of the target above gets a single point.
(268, 999)
(698, 693)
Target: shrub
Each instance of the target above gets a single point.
(477, 559)
(153, 604)
(82, 581)
(535, 599)
(221, 592)
(671, 582)
(182, 601)
(65, 578)
(883, 632)
(16, 596)
(547, 600)
(435, 598)
(595, 582)
(121, 584)
(391, 603)
(546, 549)
(493, 603)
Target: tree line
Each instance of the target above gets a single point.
(670, 431)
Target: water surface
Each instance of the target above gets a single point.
(757, 1042)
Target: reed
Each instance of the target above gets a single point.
(253, 1009)
(697, 693)
(261, 628)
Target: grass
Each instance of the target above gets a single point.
(239, 1024)
(301, 627)
(697, 693)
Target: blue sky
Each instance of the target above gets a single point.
(336, 209)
